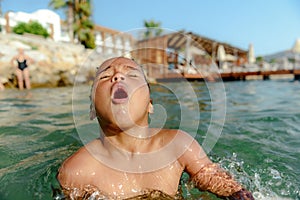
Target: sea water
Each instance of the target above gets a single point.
(259, 142)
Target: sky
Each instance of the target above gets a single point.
(270, 25)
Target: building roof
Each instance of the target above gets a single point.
(178, 41)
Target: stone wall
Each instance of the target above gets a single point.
(56, 64)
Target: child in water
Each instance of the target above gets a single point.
(129, 158)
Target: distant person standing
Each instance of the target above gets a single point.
(1, 86)
(22, 70)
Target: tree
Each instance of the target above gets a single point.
(69, 6)
(79, 21)
(83, 26)
(152, 29)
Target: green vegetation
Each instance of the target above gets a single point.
(292, 60)
(152, 29)
(259, 59)
(273, 60)
(32, 27)
(83, 27)
(80, 25)
(68, 6)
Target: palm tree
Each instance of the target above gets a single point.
(79, 21)
(69, 5)
(152, 29)
(83, 26)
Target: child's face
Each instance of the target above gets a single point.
(122, 95)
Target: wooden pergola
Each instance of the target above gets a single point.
(178, 41)
(154, 53)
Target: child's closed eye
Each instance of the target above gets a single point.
(104, 77)
(132, 75)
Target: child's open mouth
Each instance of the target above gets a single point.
(120, 95)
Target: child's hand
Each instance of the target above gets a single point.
(243, 194)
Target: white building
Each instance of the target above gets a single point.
(108, 41)
(47, 18)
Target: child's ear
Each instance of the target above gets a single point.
(150, 107)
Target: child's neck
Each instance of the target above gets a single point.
(133, 140)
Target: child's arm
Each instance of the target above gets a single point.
(213, 178)
(209, 176)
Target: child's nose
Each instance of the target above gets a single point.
(118, 77)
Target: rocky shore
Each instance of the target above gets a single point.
(56, 64)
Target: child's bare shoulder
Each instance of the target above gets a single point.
(80, 162)
(79, 168)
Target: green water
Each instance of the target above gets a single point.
(259, 144)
